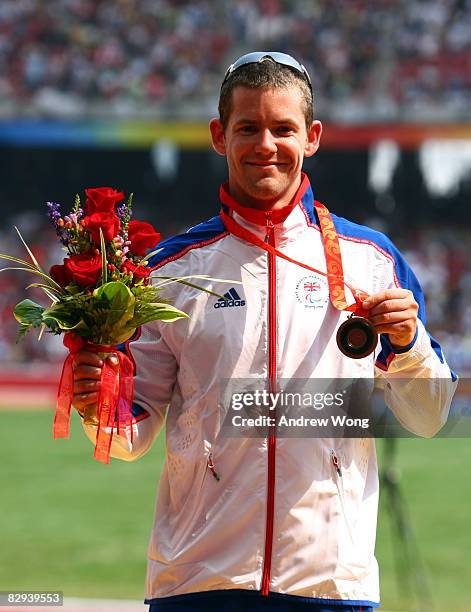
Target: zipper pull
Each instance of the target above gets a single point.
(212, 468)
(270, 225)
(336, 462)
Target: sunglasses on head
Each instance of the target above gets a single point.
(259, 56)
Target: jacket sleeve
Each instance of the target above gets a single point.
(155, 376)
(418, 383)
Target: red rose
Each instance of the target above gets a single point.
(102, 199)
(60, 274)
(73, 342)
(142, 237)
(108, 222)
(84, 269)
(137, 272)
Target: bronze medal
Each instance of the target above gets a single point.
(357, 337)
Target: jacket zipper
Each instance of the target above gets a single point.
(266, 575)
(336, 462)
(212, 467)
(339, 483)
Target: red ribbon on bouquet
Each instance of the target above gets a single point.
(114, 400)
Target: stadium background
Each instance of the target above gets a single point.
(119, 93)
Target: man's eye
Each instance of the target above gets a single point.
(247, 129)
(284, 130)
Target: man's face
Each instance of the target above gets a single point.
(265, 142)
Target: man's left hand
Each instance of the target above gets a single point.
(394, 312)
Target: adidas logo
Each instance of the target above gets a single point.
(230, 299)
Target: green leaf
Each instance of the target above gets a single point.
(147, 313)
(17, 260)
(33, 270)
(121, 334)
(35, 261)
(127, 215)
(51, 293)
(104, 262)
(76, 204)
(65, 317)
(28, 313)
(42, 286)
(168, 280)
(151, 254)
(118, 301)
(182, 279)
(22, 331)
(157, 312)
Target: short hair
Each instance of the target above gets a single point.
(266, 74)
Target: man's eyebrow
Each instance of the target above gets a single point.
(246, 120)
(282, 121)
(292, 124)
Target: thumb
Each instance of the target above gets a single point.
(113, 361)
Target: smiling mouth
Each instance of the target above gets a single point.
(267, 164)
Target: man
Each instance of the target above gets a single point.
(273, 522)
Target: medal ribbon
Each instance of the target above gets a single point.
(333, 258)
(114, 400)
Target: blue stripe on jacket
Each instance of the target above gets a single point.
(196, 235)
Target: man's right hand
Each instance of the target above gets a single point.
(87, 374)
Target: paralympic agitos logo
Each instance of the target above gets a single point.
(312, 291)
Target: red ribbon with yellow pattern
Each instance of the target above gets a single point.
(333, 258)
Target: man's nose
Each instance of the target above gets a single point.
(265, 142)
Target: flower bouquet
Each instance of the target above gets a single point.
(100, 295)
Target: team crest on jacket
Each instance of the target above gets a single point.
(312, 291)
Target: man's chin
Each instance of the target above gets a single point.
(267, 188)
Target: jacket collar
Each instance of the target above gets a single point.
(259, 217)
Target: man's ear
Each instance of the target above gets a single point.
(313, 138)
(217, 136)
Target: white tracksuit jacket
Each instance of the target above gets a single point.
(280, 517)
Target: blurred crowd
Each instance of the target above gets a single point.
(370, 59)
(439, 257)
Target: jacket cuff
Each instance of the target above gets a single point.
(398, 350)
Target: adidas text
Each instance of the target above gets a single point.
(230, 300)
(229, 304)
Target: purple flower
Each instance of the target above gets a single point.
(120, 210)
(53, 212)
